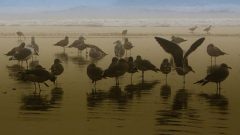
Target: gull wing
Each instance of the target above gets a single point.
(173, 49)
(193, 47)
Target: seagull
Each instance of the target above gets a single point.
(119, 49)
(23, 55)
(94, 73)
(20, 35)
(180, 59)
(94, 53)
(177, 40)
(208, 29)
(63, 43)
(15, 49)
(38, 75)
(144, 65)
(165, 67)
(214, 51)
(192, 29)
(79, 44)
(34, 45)
(116, 69)
(127, 46)
(124, 34)
(97, 49)
(217, 75)
(132, 68)
(57, 68)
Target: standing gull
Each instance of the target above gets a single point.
(20, 35)
(208, 29)
(127, 46)
(214, 51)
(38, 75)
(119, 49)
(79, 44)
(57, 68)
(15, 49)
(94, 73)
(165, 67)
(180, 59)
(132, 68)
(192, 29)
(144, 65)
(34, 45)
(23, 55)
(218, 74)
(63, 43)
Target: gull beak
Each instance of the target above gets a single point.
(229, 67)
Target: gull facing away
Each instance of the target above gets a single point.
(208, 29)
(177, 40)
(127, 46)
(214, 51)
(119, 49)
(63, 43)
(180, 59)
(192, 29)
(165, 67)
(217, 75)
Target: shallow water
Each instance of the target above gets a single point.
(142, 108)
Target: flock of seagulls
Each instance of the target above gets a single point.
(207, 29)
(121, 63)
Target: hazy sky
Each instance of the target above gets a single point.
(64, 4)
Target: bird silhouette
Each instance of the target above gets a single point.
(208, 29)
(94, 73)
(63, 43)
(79, 44)
(57, 68)
(144, 65)
(180, 59)
(217, 75)
(127, 46)
(119, 49)
(20, 35)
(15, 49)
(132, 68)
(214, 51)
(177, 40)
(116, 69)
(38, 75)
(165, 67)
(23, 54)
(192, 29)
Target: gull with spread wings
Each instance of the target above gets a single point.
(180, 59)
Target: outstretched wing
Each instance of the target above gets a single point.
(173, 49)
(193, 47)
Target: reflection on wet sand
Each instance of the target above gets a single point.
(165, 91)
(62, 56)
(15, 71)
(41, 102)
